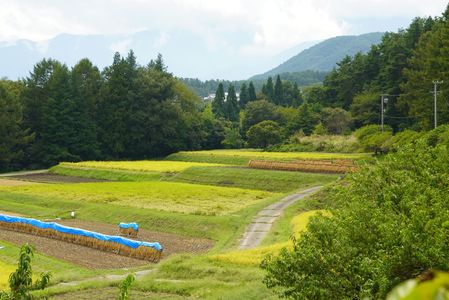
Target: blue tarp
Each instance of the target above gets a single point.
(81, 232)
(129, 225)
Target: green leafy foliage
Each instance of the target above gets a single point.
(125, 285)
(21, 282)
(258, 111)
(264, 134)
(388, 227)
(13, 136)
(431, 285)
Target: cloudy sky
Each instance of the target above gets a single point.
(247, 27)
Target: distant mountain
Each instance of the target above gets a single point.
(325, 55)
(186, 53)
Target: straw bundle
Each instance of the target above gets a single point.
(141, 250)
(316, 166)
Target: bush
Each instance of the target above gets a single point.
(388, 227)
(400, 139)
(372, 139)
(21, 281)
(264, 134)
(233, 139)
(322, 143)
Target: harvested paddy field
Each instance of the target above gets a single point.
(242, 157)
(96, 259)
(76, 254)
(172, 243)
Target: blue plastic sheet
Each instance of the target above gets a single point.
(78, 231)
(129, 225)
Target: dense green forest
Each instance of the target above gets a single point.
(208, 87)
(402, 67)
(135, 112)
(125, 111)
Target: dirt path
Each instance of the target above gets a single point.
(111, 277)
(12, 182)
(261, 225)
(22, 173)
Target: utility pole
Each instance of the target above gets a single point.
(383, 101)
(435, 92)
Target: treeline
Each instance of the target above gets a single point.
(208, 87)
(273, 115)
(126, 111)
(402, 67)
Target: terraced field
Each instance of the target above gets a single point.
(164, 196)
(242, 157)
(140, 165)
(197, 204)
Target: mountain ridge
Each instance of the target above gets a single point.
(324, 55)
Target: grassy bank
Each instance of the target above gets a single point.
(242, 157)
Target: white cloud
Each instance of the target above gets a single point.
(122, 46)
(161, 40)
(271, 25)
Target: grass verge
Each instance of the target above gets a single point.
(242, 157)
(267, 180)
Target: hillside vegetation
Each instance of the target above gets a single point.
(389, 224)
(325, 55)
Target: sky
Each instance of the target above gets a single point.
(256, 28)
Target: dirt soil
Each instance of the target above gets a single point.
(171, 243)
(76, 254)
(12, 182)
(96, 259)
(53, 178)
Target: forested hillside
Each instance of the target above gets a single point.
(402, 67)
(324, 56)
(208, 87)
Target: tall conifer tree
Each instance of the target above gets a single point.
(251, 92)
(218, 102)
(244, 96)
(278, 94)
(231, 105)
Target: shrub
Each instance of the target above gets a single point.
(322, 143)
(372, 139)
(21, 281)
(388, 227)
(125, 285)
(264, 134)
(233, 139)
